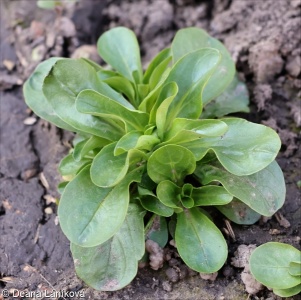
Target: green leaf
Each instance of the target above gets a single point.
(190, 39)
(86, 211)
(158, 72)
(94, 103)
(35, 99)
(48, 4)
(244, 149)
(263, 191)
(84, 147)
(153, 204)
(69, 166)
(159, 58)
(210, 195)
(107, 169)
(191, 74)
(67, 78)
(170, 195)
(123, 86)
(288, 292)
(270, 262)
(113, 264)
(239, 213)
(200, 243)
(156, 230)
(119, 48)
(159, 113)
(170, 162)
(234, 99)
(295, 267)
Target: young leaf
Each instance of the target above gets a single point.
(263, 191)
(35, 98)
(84, 147)
(234, 99)
(199, 242)
(170, 195)
(239, 213)
(119, 48)
(113, 264)
(191, 74)
(67, 78)
(270, 263)
(191, 39)
(210, 195)
(161, 57)
(94, 103)
(244, 149)
(107, 169)
(170, 162)
(86, 210)
(295, 267)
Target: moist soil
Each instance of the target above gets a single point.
(264, 38)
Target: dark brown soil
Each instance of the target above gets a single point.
(264, 38)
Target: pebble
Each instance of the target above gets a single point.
(172, 275)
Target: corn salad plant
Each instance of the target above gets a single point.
(152, 153)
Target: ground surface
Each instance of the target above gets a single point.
(263, 37)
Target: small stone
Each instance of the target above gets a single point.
(26, 175)
(48, 211)
(8, 64)
(172, 275)
(209, 276)
(30, 121)
(166, 286)
(49, 199)
(293, 66)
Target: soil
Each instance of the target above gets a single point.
(264, 38)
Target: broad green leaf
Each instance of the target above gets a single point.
(127, 142)
(295, 267)
(210, 128)
(288, 292)
(263, 191)
(123, 86)
(239, 213)
(107, 169)
(86, 211)
(210, 195)
(96, 66)
(191, 74)
(156, 230)
(67, 78)
(160, 57)
(35, 99)
(143, 91)
(153, 204)
(170, 195)
(94, 103)
(170, 162)
(69, 166)
(158, 72)
(113, 264)
(200, 243)
(119, 48)
(84, 147)
(234, 99)
(269, 264)
(244, 149)
(190, 39)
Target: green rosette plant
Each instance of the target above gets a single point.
(277, 266)
(150, 155)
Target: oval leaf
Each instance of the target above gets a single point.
(269, 264)
(119, 48)
(200, 243)
(210, 195)
(170, 162)
(86, 211)
(113, 264)
(153, 204)
(263, 191)
(288, 292)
